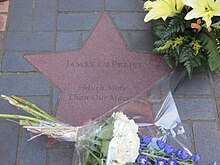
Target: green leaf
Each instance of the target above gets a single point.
(27, 122)
(106, 132)
(105, 146)
(97, 142)
(216, 25)
(209, 43)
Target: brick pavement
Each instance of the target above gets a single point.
(36, 26)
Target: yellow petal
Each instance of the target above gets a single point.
(194, 14)
(207, 19)
(160, 9)
(149, 16)
(149, 5)
(165, 17)
(179, 5)
(170, 3)
(192, 3)
(217, 8)
(152, 14)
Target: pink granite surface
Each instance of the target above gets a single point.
(99, 76)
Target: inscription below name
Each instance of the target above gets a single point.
(100, 87)
(98, 97)
(103, 64)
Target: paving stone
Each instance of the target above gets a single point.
(55, 100)
(207, 141)
(185, 139)
(77, 21)
(45, 15)
(1, 41)
(3, 22)
(8, 142)
(61, 145)
(15, 62)
(32, 152)
(61, 156)
(20, 15)
(82, 5)
(22, 41)
(6, 108)
(196, 108)
(199, 84)
(126, 37)
(142, 41)
(134, 21)
(67, 40)
(23, 85)
(41, 102)
(216, 88)
(124, 5)
(4, 6)
(85, 35)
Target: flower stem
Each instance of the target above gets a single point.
(92, 153)
(34, 107)
(26, 108)
(162, 157)
(10, 116)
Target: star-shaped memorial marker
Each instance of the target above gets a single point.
(99, 76)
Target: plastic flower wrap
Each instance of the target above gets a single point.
(118, 139)
(134, 132)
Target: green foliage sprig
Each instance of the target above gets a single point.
(183, 38)
(179, 43)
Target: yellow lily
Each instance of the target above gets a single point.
(203, 8)
(162, 9)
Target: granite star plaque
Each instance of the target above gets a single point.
(100, 75)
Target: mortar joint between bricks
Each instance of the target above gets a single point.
(56, 23)
(193, 96)
(33, 15)
(4, 38)
(217, 110)
(19, 141)
(51, 98)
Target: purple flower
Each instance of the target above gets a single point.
(178, 153)
(142, 160)
(195, 157)
(160, 162)
(142, 148)
(146, 140)
(213, 163)
(161, 144)
(172, 162)
(182, 154)
(168, 149)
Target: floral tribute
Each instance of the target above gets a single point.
(121, 137)
(188, 32)
(164, 154)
